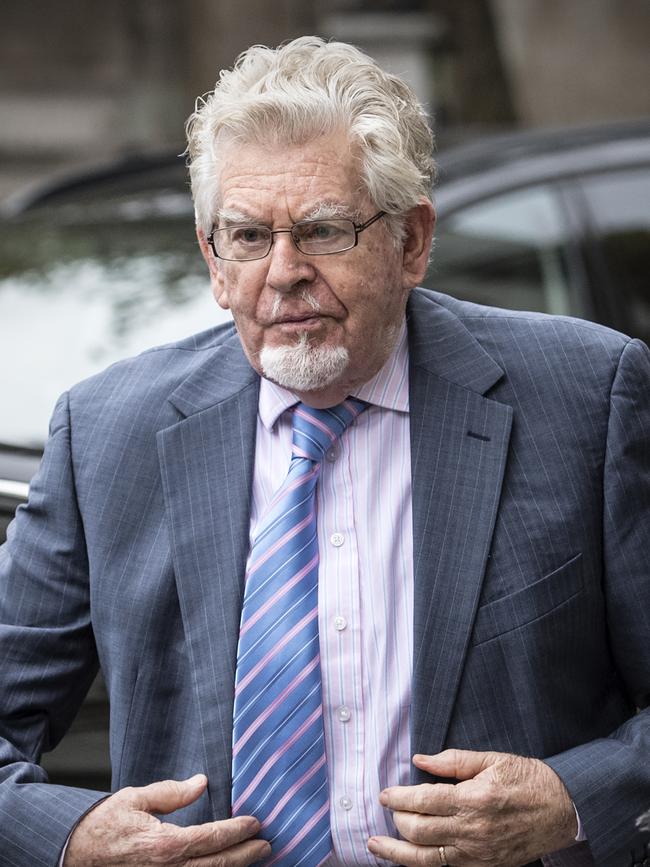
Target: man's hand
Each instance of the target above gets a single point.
(121, 830)
(507, 811)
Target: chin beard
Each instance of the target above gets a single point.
(304, 367)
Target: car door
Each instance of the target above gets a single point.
(616, 206)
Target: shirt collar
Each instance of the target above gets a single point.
(388, 388)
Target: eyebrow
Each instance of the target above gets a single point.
(322, 211)
(235, 218)
(331, 211)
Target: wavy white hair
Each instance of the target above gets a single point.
(308, 88)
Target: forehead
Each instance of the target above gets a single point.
(290, 181)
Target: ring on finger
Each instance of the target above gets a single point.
(443, 857)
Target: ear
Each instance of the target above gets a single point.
(217, 281)
(418, 226)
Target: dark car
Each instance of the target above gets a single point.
(102, 265)
(555, 221)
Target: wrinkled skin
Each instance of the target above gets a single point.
(505, 811)
(361, 293)
(122, 831)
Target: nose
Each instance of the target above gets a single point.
(287, 265)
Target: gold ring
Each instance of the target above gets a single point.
(443, 857)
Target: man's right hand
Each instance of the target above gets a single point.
(122, 831)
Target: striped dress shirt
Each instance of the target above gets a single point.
(365, 595)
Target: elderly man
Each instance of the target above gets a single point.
(366, 572)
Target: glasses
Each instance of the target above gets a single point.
(314, 237)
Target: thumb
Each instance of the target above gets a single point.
(167, 795)
(456, 764)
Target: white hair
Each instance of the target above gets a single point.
(305, 89)
(303, 366)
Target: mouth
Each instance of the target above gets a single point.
(292, 323)
(291, 318)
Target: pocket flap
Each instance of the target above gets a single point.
(528, 604)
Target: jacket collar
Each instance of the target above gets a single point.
(441, 344)
(224, 373)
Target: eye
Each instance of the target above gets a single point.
(319, 230)
(249, 235)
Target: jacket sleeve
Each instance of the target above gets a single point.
(48, 656)
(609, 779)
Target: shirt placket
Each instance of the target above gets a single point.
(341, 647)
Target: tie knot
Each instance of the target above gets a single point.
(316, 430)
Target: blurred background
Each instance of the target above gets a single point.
(82, 80)
(542, 115)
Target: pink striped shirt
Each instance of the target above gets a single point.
(365, 595)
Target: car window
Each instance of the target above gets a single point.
(619, 205)
(506, 251)
(75, 296)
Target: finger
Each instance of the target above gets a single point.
(212, 837)
(403, 852)
(167, 795)
(459, 764)
(439, 799)
(424, 830)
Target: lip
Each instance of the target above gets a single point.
(290, 318)
(305, 323)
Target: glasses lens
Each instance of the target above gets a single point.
(243, 242)
(324, 236)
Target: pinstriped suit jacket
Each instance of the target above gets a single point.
(531, 499)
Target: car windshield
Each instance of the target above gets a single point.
(77, 294)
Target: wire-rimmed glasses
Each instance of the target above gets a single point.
(313, 237)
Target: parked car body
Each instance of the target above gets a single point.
(105, 264)
(557, 221)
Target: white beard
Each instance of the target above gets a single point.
(304, 367)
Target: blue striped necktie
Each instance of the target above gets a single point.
(279, 773)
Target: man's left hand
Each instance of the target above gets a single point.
(506, 811)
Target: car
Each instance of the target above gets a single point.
(554, 221)
(101, 265)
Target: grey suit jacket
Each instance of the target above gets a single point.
(530, 441)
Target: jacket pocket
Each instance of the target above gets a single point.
(530, 603)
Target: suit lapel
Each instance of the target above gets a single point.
(459, 442)
(207, 465)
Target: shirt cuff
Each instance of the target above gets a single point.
(62, 856)
(580, 836)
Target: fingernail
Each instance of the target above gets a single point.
(372, 845)
(383, 798)
(251, 823)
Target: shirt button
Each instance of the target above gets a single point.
(337, 539)
(340, 623)
(346, 802)
(344, 713)
(332, 454)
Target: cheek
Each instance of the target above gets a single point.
(245, 300)
(229, 287)
(372, 298)
(365, 299)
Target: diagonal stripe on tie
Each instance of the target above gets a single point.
(279, 768)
